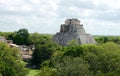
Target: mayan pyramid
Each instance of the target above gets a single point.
(73, 30)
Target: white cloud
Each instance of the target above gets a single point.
(96, 2)
(46, 16)
(35, 1)
(21, 21)
(11, 3)
(111, 4)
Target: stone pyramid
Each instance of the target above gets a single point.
(73, 30)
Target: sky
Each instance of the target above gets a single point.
(99, 17)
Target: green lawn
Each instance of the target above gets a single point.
(32, 72)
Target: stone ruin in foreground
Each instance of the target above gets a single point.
(73, 30)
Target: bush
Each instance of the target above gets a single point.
(10, 64)
(47, 71)
(70, 66)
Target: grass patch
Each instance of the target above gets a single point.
(32, 72)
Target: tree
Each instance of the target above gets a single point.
(104, 60)
(70, 66)
(21, 37)
(73, 51)
(42, 53)
(36, 38)
(10, 64)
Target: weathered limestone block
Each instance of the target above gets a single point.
(2, 39)
(73, 30)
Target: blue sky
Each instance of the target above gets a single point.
(99, 17)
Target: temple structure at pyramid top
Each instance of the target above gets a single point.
(73, 30)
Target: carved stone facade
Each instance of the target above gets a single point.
(73, 30)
